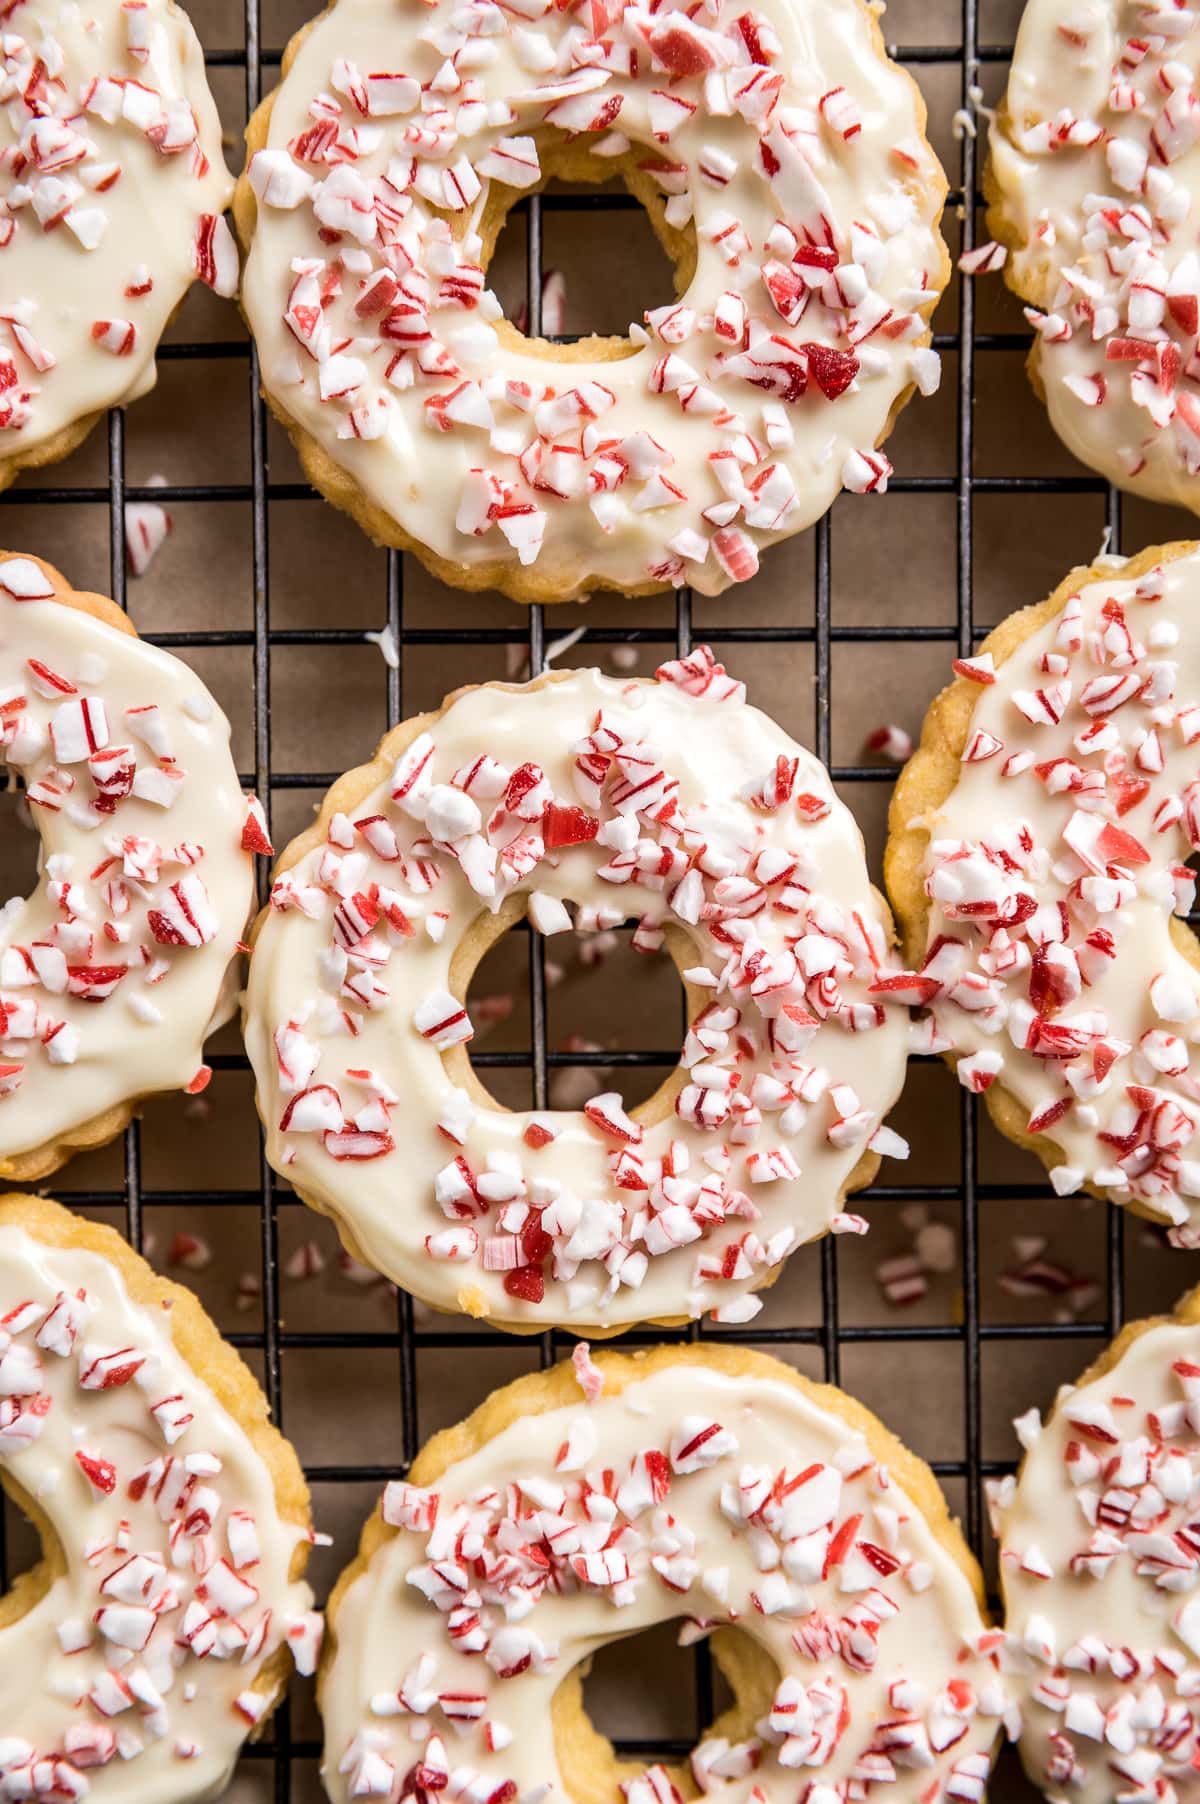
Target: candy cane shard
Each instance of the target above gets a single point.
(114, 969)
(179, 1523)
(714, 1486)
(1097, 1523)
(815, 204)
(1089, 175)
(113, 160)
(671, 804)
(1038, 861)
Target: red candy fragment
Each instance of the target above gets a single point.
(563, 825)
(101, 1474)
(832, 370)
(528, 1282)
(255, 837)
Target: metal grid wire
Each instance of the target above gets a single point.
(526, 629)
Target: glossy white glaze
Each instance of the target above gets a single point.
(1102, 1579)
(1096, 162)
(1085, 1010)
(127, 1680)
(112, 183)
(369, 1148)
(810, 159)
(99, 1006)
(864, 1655)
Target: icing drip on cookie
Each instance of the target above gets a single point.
(783, 139)
(1054, 869)
(1097, 167)
(691, 1495)
(112, 185)
(673, 804)
(1101, 1569)
(138, 1674)
(112, 971)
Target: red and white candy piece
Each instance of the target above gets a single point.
(591, 802)
(1093, 168)
(112, 971)
(689, 1491)
(1053, 872)
(1098, 1525)
(742, 409)
(174, 1592)
(114, 156)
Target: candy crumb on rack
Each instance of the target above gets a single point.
(306, 1261)
(191, 1251)
(890, 742)
(983, 260)
(248, 1294)
(146, 528)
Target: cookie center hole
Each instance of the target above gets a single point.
(23, 1550)
(18, 841)
(603, 261)
(614, 1018)
(653, 1699)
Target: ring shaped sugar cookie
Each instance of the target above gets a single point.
(116, 967)
(627, 800)
(112, 186)
(712, 1485)
(1100, 1573)
(782, 159)
(1092, 180)
(1036, 866)
(153, 1636)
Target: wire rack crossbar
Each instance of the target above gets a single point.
(272, 1342)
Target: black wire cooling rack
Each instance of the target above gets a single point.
(526, 629)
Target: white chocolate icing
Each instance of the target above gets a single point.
(113, 970)
(1096, 161)
(349, 998)
(787, 138)
(871, 1623)
(136, 1676)
(1064, 843)
(1101, 1576)
(112, 185)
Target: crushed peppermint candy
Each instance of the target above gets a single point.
(1049, 1282)
(178, 1589)
(1100, 1564)
(741, 409)
(891, 742)
(690, 1493)
(598, 1214)
(1093, 165)
(146, 528)
(112, 188)
(112, 971)
(627, 801)
(1053, 875)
